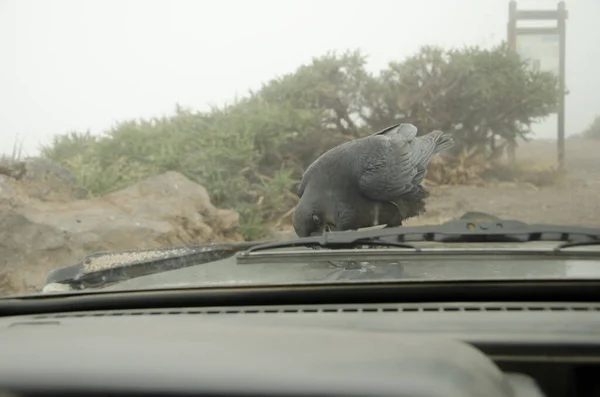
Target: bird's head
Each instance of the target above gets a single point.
(314, 214)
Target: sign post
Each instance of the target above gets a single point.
(544, 49)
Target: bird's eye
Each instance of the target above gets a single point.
(316, 219)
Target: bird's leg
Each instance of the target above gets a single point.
(409, 210)
(376, 216)
(402, 214)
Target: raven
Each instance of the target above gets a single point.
(370, 181)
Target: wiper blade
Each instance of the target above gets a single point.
(570, 244)
(324, 242)
(105, 268)
(457, 231)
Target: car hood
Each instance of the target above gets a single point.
(306, 270)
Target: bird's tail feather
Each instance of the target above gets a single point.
(442, 140)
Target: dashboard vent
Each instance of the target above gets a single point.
(408, 308)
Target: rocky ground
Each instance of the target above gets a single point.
(575, 201)
(46, 221)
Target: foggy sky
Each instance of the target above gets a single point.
(86, 64)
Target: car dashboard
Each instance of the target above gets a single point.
(406, 350)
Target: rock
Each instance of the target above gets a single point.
(49, 181)
(461, 204)
(228, 221)
(278, 234)
(507, 185)
(8, 192)
(44, 180)
(41, 229)
(530, 186)
(28, 251)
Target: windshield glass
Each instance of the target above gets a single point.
(138, 125)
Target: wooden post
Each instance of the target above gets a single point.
(560, 16)
(561, 25)
(511, 36)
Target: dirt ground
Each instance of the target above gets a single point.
(573, 202)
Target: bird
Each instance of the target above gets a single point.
(370, 181)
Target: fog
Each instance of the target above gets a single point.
(87, 64)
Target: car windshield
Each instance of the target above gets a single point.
(349, 266)
(207, 128)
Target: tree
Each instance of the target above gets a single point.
(479, 95)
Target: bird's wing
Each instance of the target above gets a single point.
(425, 147)
(304, 180)
(311, 170)
(387, 169)
(406, 132)
(393, 166)
(395, 163)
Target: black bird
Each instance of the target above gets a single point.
(369, 181)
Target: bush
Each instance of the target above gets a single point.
(216, 150)
(250, 155)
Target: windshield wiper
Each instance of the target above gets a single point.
(457, 231)
(105, 268)
(570, 244)
(324, 242)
